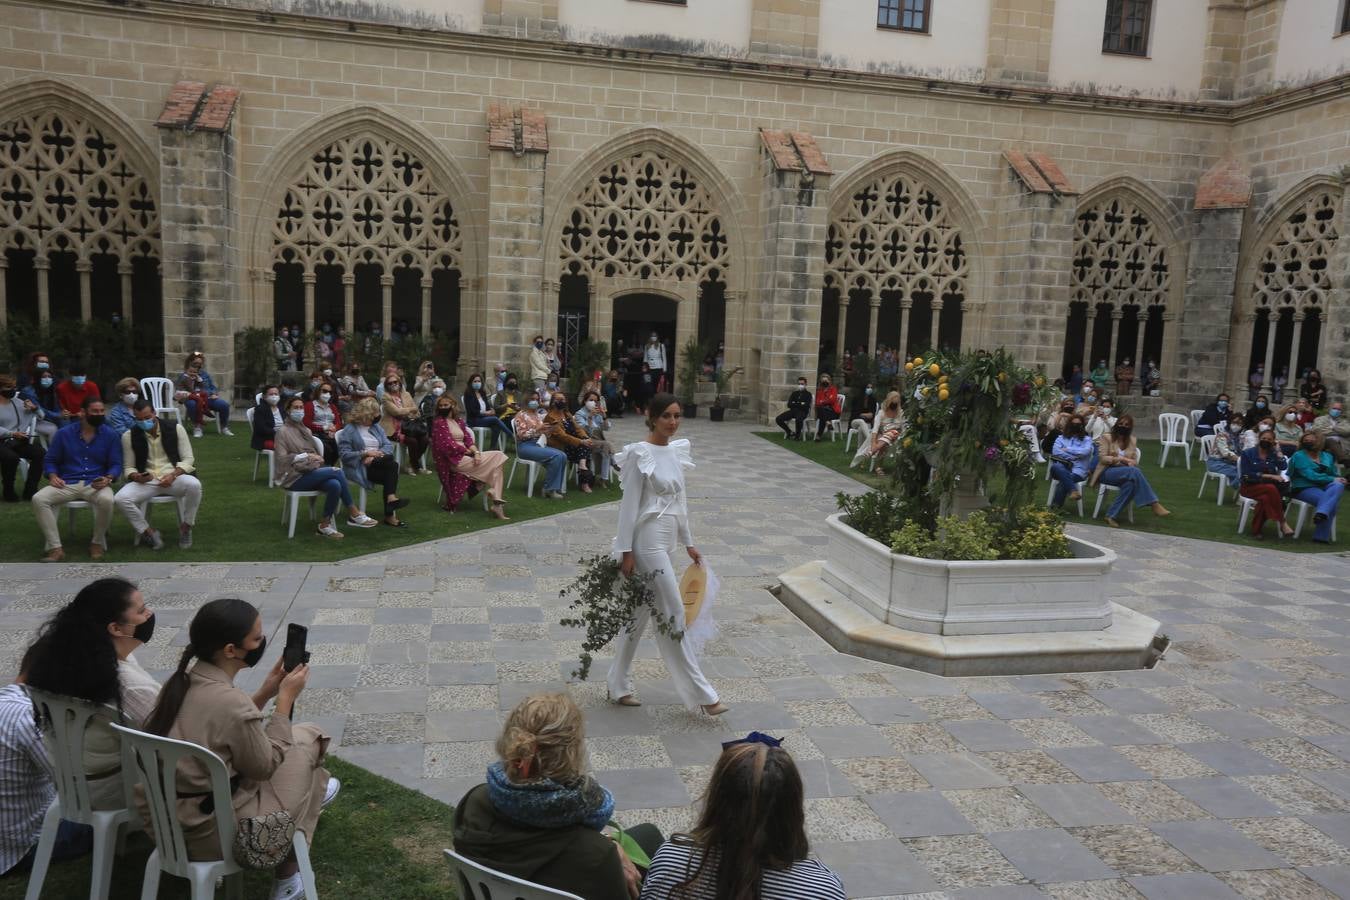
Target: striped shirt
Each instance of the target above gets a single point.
(26, 788)
(806, 879)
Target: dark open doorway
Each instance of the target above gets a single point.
(636, 318)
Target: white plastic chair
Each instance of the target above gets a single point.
(1304, 508)
(1082, 485)
(71, 508)
(860, 428)
(481, 434)
(440, 495)
(290, 500)
(66, 720)
(1103, 489)
(155, 760)
(159, 391)
(258, 455)
(531, 469)
(1206, 451)
(1196, 414)
(478, 882)
(1174, 429)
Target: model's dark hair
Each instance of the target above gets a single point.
(658, 404)
(752, 819)
(219, 622)
(74, 653)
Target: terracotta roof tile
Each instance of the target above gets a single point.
(1225, 186)
(181, 105)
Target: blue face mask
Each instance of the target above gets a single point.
(42, 366)
(1334, 413)
(77, 380)
(46, 382)
(1260, 404)
(868, 392)
(533, 404)
(1222, 404)
(145, 424)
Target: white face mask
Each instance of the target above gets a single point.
(273, 399)
(328, 373)
(1289, 417)
(297, 415)
(325, 396)
(478, 385)
(437, 391)
(129, 398)
(590, 404)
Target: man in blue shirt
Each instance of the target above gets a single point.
(85, 457)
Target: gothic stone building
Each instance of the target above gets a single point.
(1076, 179)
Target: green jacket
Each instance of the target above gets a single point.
(575, 859)
(1306, 472)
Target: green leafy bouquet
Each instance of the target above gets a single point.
(604, 602)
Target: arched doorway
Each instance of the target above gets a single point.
(637, 317)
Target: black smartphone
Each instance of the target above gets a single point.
(295, 652)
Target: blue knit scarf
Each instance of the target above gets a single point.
(545, 803)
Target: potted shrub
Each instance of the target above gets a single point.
(723, 380)
(691, 366)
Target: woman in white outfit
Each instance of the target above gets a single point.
(653, 523)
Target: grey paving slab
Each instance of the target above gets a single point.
(1076, 804)
(1189, 886)
(1050, 854)
(919, 813)
(1217, 846)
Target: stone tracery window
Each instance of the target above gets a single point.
(1119, 285)
(1292, 287)
(367, 213)
(646, 217)
(895, 257)
(70, 199)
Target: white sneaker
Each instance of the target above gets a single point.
(227, 432)
(362, 521)
(196, 432)
(331, 791)
(292, 888)
(329, 531)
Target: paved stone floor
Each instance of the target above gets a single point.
(1224, 772)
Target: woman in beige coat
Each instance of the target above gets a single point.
(272, 767)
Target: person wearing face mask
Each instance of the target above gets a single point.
(1101, 419)
(591, 417)
(864, 407)
(1288, 431)
(121, 416)
(554, 362)
(1100, 372)
(84, 458)
(1335, 429)
(74, 389)
(18, 431)
(34, 366)
(614, 394)
(478, 411)
(426, 373)
(85, 650)
(1223, 459)
(409, 428)
(273, 767)
(426, 408)
(1304, 411)
(158, 462)
(1261, 471)
(1313, 390)
(654, 357)
(532, 446)
(1315, 480)
(1118, 466)
(1124, 378)
(198, 393)
(498, 378)
(284, 351)
(368, 458)
(508, 401)
(267, 418)
(355, 384)
(1214, 416)
(1256, 380)
(566, 435)
(1069, 461)
(550, 387)
(890, 425)
(828, 405)
(324, 420)
(1259, 409)
(538, 364)
(299, 468)
(1278, 384)
(798, 408)
(459, 461)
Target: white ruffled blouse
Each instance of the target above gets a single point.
(652, 478)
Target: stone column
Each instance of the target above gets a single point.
(124, 272)
(794, 187)
(84, 268)
(1293, 350)
(1141, 317)
(874, 309)
(1112, 352)
(386, 304)
(42, 265)
(199, 228)
(1088, 334)
(426, 307)
(901, 349)
(309, 279)
(1272, 325)
(4, 302)
(936, 323)
(841, 327)
(348, 302)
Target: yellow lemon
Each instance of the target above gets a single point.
(1003, 443)
(1039, 381)
(1002, 377)
(934, 369)
(906, 442)
(943, 395)
(918, 360)
(909, 367)
(942, 379)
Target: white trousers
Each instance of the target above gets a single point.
(651, 548)
(186, 489)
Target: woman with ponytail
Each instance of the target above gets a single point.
(540, 817)
(750, 841)
(85, 651)
(273, 767)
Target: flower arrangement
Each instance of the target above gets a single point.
(604, 602)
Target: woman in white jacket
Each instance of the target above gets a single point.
(653, 522)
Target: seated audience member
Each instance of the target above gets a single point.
(355, 384)
(409, 429)
(1214, 416)
(422, 384)
(509, 400)
(1259, 409)
(1118, 466)
(531, 436)
(157, 461)
(277, 767)
(1304, 411)
(85, 651)
(74, 389)
(798, 409)
(200, 397)
(478, 411)
(827, 404)
(1262, 473)
(1314, 390)
(750, 840)
(1100, 372)
(267, 418)
(615, 395)
(1088, 396)
(540, 817)
(1314, 479)
(40, 395)
(35, 366)
(300, 468)
(1070, 459)
(324, 421)
(1055, 423)
(426, 408)
(390, 368)
(1288, 432)
(312, 386)
(290, 388)
(368, 458)
(888, 428)
(285, 351)
(121, 416)
(459, 462)
(18, 433)
(864, 406)
(566, 435)
(498, 378)
(1335, 430)
(27, 790)
(1101, 419)
(84, 459)
(1228, 447)
(1152, 377)
(591, 417)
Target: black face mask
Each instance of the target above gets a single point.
(560, 404)
(145, 630)
(254, 656)
(1267, 446)
(1308, 448)
(94, 421)
(1121, 431)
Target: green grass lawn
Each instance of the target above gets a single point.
(240, 520)
(378, 841)
(1176, 488)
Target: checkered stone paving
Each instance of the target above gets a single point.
(1224, 772)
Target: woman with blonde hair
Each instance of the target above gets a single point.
(540, 817)
(1288, 431)
(889, 426)
(459, 461)
(368, 458)
(750, 840)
